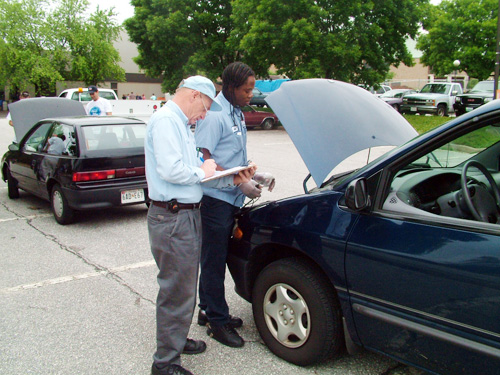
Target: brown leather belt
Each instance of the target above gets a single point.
(177, 206)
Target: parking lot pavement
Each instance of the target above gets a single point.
(80, 299)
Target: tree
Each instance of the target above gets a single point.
(462, 30)
(350, 40)
(178, 38)
(44, 43)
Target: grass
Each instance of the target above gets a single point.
(419, 122)
(425, 123)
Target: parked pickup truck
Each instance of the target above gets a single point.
(435, 98)
(142, 109)
(481, 93)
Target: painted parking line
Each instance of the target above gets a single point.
(25, 218)
(65, 279)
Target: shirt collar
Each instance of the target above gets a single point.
(226, 106)
(174, 107)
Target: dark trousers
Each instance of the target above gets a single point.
(217, 219)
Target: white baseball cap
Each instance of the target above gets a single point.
(205, 86)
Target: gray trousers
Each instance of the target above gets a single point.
(176, 245)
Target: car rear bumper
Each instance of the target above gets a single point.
(90, 197)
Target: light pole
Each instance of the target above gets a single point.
(497, 55)
(456, 64)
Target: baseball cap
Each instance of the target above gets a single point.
(93, 89)
(205, 86)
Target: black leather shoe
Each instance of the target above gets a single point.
(170, 370)
(194, 347)
(234, 321)
(226, 335)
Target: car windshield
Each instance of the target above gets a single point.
(113, 137)
(483, 86)
(461, 149)
(436, 88)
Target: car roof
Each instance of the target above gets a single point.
(28, 112)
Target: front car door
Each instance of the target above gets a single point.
(423, 277)
(26, 167)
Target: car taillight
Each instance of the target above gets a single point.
(93, 176)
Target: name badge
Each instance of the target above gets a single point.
(235, 129)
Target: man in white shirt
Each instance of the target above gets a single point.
(98, 106)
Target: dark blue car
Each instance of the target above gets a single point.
(401, 256)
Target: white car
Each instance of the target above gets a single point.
(81, 94)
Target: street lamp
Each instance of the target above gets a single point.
(456, 64)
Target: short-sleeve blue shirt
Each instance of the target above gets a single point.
(224, 134)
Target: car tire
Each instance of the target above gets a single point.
(288, 287)
(63, 213)
(396, 106)
(12, 187)
(441, 110)
(267, 124)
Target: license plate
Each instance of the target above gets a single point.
(131, 196)
(413, 109)
(468, 109)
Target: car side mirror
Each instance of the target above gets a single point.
(13, 147)
(356, 195)
(454, 93)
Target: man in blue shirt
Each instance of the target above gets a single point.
(174, 172)
(223, 137)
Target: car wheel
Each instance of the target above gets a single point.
(12, 188)
(396, 106)
(267, 124)
(441, 110)
(296, 312)
(63, 213)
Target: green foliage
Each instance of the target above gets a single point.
(178, 38)
(44, 42)
(463, 30)
(350, 40)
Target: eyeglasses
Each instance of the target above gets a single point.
(203, 102)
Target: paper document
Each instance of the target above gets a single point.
(219, 174)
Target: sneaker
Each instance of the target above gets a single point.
(234, 321)
(170, 370)
(226, 335)
(194, 347)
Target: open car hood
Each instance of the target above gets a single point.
(27, 112)
(329, 121)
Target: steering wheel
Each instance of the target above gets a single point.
(481, 204)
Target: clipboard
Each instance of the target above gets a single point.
(227, 172)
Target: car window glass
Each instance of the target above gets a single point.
(61, 140)
(110, 137)
(483, 86)
(106, 95)
(85, 97)
(429, 184)
(36, 140)
(461, 149)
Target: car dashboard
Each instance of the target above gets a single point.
(425, 191)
